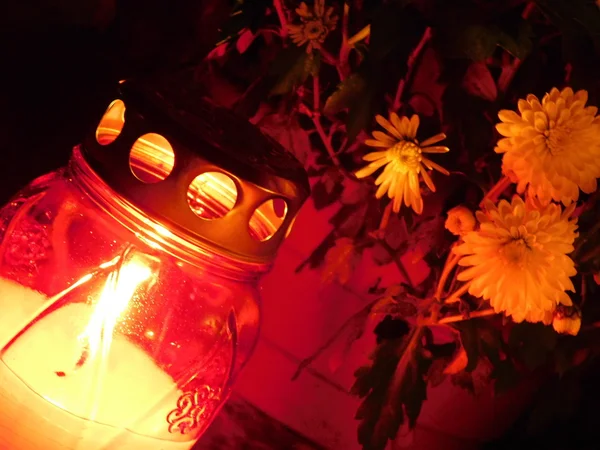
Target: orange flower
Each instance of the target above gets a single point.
(315, 25)
(552, 147)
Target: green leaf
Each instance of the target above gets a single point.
(520, 45)
(379, 421)
(532, 343)
(470, 342)
(348, 92)
(292, 67)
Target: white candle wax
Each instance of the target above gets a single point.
(91, 408)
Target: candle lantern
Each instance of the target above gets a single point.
(128, 280)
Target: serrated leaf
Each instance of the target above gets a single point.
(478, 81)
(292, 68)
(352, 332)
(340, 262)
(287, 131)
(348, 92)
(349, 219)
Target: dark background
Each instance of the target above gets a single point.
(61, 59)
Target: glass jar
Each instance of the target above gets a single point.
(123, 328)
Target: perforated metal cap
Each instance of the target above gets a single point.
(249, 179)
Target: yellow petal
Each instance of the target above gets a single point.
(433, 140)
(429, 163)
(376, 143)
(373, 156)
(435, 149)
(397, 123)
(384, 138)
(388, 126)
(413, 127)
(427, 179)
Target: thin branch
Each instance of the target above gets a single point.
(333, 61)
(461, 317)
(282, 19)
(455, 296)
(494, 193)
(315, 117)
(345, 48)
(362, 34)
(398, 261)
(412, 58)
(509, 71)
(308, 361)
(451, 262)
(316, 94)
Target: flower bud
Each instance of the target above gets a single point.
(567, 320)
(460, 220)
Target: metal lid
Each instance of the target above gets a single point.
(199, 169)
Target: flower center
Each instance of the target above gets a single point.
(406, 157)
(557, 138)
(516, 249)
(315, 30)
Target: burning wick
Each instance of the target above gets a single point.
(113, 301)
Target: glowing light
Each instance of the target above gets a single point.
(113, 301)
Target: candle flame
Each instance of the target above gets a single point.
(113, 301)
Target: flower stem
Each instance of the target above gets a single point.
(332, 61)
(496, 191)
(461, 317)
(451, 262)
(412, 58)
(455, 296)
(282, 19)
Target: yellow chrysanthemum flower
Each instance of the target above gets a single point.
(316, 25)
(517, 259)
(552, 148)
(403, 160)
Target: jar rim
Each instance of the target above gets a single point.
(152, 232)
